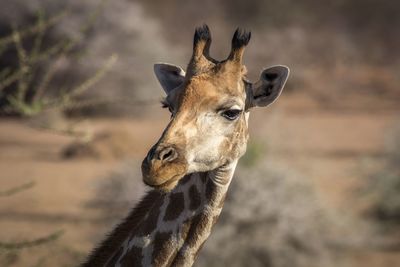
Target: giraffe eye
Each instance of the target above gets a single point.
(231, 114)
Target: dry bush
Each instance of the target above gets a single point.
(117, 193)
(383, 186)
(121, 28)
(271, 217)
(34, 64)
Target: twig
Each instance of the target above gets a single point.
(93, 17)
(60, 48)
(94, 79)
(42, 87)
(23, 66)
(17, 189)
(31, 243)
(4, 72)
(39, 38)
(86, 135)
(34, 29)
(28, 62)
(10, 79)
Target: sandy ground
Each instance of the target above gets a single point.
(326, 146)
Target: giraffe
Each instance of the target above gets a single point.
(191, 166)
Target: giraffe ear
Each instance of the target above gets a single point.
(269, 87)
(169, 76)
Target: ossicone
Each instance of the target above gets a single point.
(239, 41)
(240, 38)
(201, 41)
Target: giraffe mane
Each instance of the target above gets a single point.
(106, 249)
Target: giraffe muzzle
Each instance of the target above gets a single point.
(163, 166)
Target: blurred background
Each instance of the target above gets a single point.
(79, 109)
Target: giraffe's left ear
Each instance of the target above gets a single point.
(169, 76)
(269, 87)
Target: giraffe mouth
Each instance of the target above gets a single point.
(163, 177)
(168, 185)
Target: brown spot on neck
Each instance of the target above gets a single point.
(163, 250)
(175, 206)
(199, 224)
(203, 177)
(151, 220)
(132, 258)
(194, 197)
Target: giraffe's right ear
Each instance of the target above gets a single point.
(169, 76)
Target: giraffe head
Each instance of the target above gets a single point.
(209, 105)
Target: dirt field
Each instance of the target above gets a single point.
(326, 146)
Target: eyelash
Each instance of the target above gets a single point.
(231, 114)
(165, 105)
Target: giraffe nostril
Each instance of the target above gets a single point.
(167, 154)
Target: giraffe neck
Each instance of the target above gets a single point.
(174, 225)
